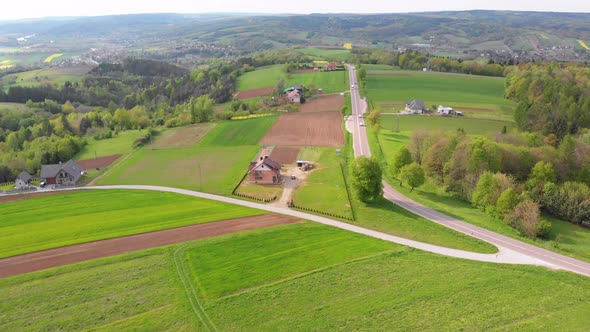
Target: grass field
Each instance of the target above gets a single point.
(58, 220)
(293, 277)
(330, 82)
(393, 88)
(324, 189)
(565, 237)
(52, 75)
(121, 143)
(336, 55)
(472, 126)
(211, 169)
(238, 132)
(13, 107)
(183, 137)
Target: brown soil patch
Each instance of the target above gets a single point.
(184, 137)
(306, 129)
(100, 162)
(82, 252)
(254, 93)
(285, 154)
(333, 102)
(12, 198)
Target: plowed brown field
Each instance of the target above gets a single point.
(100, 162)
(285, 154)
(306, 129)
(325, 103)
(254, 93)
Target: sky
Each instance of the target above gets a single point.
(45, 8)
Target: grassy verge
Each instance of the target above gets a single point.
(259, 191)
(58, 220)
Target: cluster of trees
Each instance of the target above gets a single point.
(414, 60)
(511, 176)
(552, 98)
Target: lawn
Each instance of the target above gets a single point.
(324, 189)
(335, 55)
(293, 277)
(238, 132)
(122, 143)
(211, 169)
(455, 90)
(472, 126)
(565, 237)
(69, 218)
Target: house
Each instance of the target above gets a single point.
(331, 66)
(444, 110)
(294, 96)
(415, 106)
(66, 174)
(23, 180)
(264, 171)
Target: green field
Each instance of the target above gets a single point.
(13, 107)
(565, 237)
(475, 95)
(293, 277)
(335, 55)
(260, 78)
(330, 82)
(238, 132)
(122, 143)
(58, 220)
(324, 189)
(50, 75)
(472, 126)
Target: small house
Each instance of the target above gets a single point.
(444, 110)
(415, 106)
(294, 96)
(265, 171)
(66, 174)
(23, 180)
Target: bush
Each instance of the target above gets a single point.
(526, 219)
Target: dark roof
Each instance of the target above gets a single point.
(417, 104)
(71, 167)
(25, 176)
(273, 165)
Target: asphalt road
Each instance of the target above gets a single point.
(528, 253)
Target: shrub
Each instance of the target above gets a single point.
(526, 219)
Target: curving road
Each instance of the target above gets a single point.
(530, 254)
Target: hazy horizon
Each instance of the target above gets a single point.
(69, 8)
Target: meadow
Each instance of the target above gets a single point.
(293, 277)
(121, 143)
(58, 220)
(330, 82)
(477, 96)
(324, 54)
(238, 132)
(50, 75)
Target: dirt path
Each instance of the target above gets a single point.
(82, 252)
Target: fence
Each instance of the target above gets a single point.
(328, 214)
(264, 200)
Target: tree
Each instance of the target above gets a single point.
(279, 87)
(412, 175)
(541, 174)
(526, 218)
(401, 158)
(506, 203)
(367, 178)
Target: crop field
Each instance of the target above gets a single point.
(5, 64)
(333, 102)
(336, 55)
(53, 57)
(210, 169)
(454, 90)
(324, 189)
(122, 143)
(57, 220)
(472, 126)
(46, 75)
(307, 129)
(260, 78)
(238, 132)
(183, 137)
(583, 44)
(254, 93)
(300, 277)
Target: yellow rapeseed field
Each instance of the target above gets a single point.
(583, 44)
(53, 57)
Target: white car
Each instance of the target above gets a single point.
(362, 124)
(360, 116)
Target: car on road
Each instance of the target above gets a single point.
(360, 116)
(362, 124)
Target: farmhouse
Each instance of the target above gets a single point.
(265, 171)
(415, 106)
(23, 180)
(294, 96)
(444, 110)
(66, 174)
